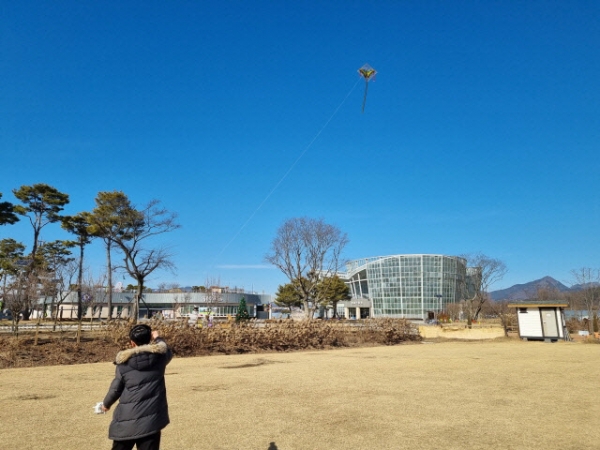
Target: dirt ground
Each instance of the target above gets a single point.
(502, 394)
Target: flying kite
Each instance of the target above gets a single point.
(368, 73)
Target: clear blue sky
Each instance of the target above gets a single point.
(480, 133)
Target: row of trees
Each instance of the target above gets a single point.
(330, 291)
(48, 269)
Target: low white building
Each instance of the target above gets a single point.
(168, 305)
(541, 320)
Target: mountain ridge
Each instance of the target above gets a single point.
(528, 290)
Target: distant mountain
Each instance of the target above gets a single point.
(580, 287)
(528, 290)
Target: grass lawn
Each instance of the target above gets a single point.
(503, 394)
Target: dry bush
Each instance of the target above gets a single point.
(574, 325)
(249, 337)
(51, 351)
(285, 335)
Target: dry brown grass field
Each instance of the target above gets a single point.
(503, 394)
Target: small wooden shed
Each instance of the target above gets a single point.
(541, 320)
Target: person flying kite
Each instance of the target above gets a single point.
(368, 73)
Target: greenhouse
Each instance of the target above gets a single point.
(406, 286)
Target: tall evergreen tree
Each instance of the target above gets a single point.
(242, 312)
(7, 213)
(79, 225)
(107, 221)
(288, 295)
(333, 290)
(42, 205)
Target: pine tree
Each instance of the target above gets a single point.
(242, 313)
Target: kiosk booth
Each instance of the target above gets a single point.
(541, 320)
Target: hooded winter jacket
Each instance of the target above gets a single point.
(139, 385)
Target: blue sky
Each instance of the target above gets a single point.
(480, 132)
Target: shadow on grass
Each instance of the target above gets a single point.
(272, 446)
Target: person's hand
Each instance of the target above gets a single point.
(104, 408)
(154, 334)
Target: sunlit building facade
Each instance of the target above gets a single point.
(171, 305)
(405, 286)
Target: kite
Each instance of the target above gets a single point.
(368, 73)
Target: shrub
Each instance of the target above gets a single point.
(246, 337)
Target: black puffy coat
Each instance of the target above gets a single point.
(139, 385)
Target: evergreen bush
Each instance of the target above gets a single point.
(242, 313)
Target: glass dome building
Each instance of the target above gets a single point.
(407, 286)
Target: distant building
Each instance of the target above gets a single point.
(170, 305)
(403, 286)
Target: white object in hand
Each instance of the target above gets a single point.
(98, 408)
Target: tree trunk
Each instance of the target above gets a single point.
(504, 323)
(15, 325)
(78, 332)
(308, 311)
(481, 299)
(79, 284)
(109, 278)
(136, 304)
(147, 308)
(138, 298)
(36, 236)
(37, 332)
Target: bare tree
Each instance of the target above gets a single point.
(19, 291)
(213, 290)
(589, 281)
(173, 287)
(95, 293)
(506, 315)
(306, 251)
(179, 301)
(482, 272)
(132, 237)
(64, 275)
(454, 310)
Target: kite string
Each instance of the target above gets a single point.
(287, 173)
(365, 97)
